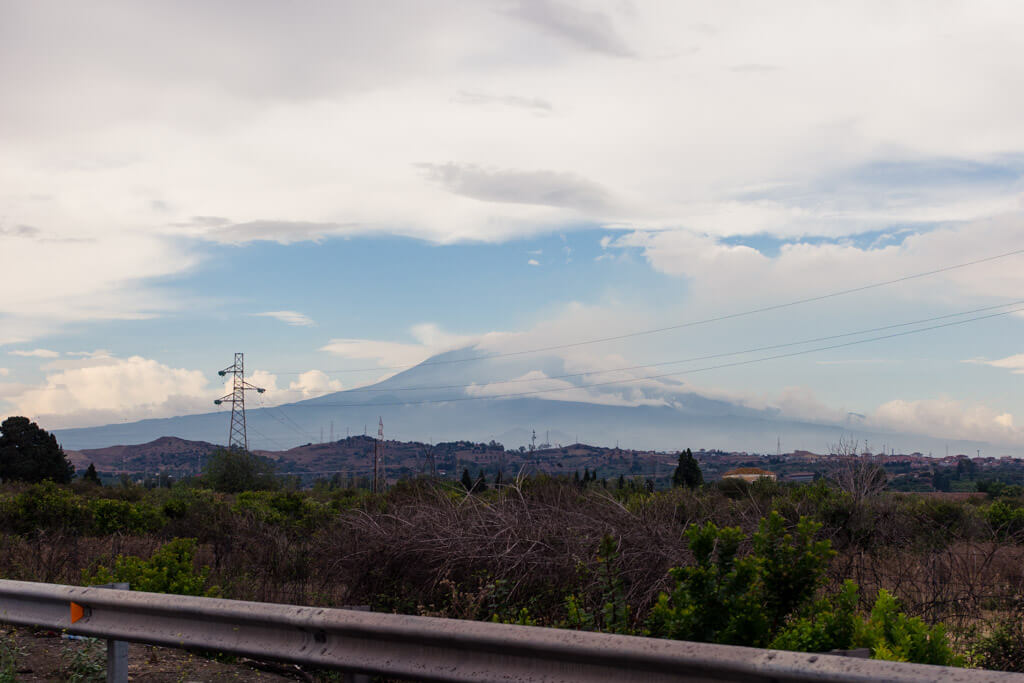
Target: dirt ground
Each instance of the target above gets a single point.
(37, 656)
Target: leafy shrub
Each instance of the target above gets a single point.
(614, 616)
(741, 601)
(169, 570)
(43, 506)
(84, 660)
(826, 624)
(893, 635)
(280, 507)
(1005, 519)
(113, 516)
(1003, 648)
(231, 470)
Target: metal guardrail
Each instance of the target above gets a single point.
(425, 648)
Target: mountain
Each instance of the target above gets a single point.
(441, 400)
(167, 452)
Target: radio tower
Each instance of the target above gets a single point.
(236, 436)
(378, 455)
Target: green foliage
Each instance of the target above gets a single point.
(722, 598)
(9, 655)
(169, 570)
(467, 481)
(1005, 519)
(30, 453)
(119, 516)
(894, 636)
(1002, 649)
(687, 472)
(44, 506)
(281, 507)
(826, 624)
(84, 660)
(614, 615)
(231, 470)
(92, 476)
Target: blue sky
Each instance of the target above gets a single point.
(381, 183)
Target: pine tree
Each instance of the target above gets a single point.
(30, 453)
(621, 483)
(91, 475)
(687, 472)
(497, 480)
(481, 483)
(467, 481)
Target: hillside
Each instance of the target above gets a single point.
(445, 399)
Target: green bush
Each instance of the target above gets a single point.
(1003, 648)
(741, 601)
(826, 624)
(281, 507)
(43, 506)
(169, 570)
(231, 470)
(120, 516)
(614, 615)
(1005, 519)
(893, 635)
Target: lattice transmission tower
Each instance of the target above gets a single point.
(237, 437)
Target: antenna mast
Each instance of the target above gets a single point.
(237, 437)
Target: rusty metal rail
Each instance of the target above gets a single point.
(424, 648)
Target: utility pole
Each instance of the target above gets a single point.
(380, 439)
(237, 437)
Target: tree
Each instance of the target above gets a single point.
(467, 481)
(91, 475)
(481, 483)
(232, 470)
(855, 473)
(687, 472)
(30, 453)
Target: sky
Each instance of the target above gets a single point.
(340, 188)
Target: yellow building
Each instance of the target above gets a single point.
(749, 474)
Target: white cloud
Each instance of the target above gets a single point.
(293, 318)
(4, 372)
(314, 383)
(735, 273)
(103, 390)
(1014, 363)
(949, 418)
(537, 384)
(794, 118)
(430, 340)
(533, 262)
(36, 353)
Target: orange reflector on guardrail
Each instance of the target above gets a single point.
(77, 612)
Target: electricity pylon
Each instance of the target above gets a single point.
(237, 437)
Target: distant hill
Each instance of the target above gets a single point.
(440, 400)
(166, 453)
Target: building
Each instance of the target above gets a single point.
(749, 474)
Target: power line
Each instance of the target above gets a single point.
(667, 374)
(692, 323)
(757, 349)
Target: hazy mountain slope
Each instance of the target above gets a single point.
(441, 411)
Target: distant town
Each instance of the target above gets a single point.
(350, 461)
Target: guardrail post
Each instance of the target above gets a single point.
(117, 650)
